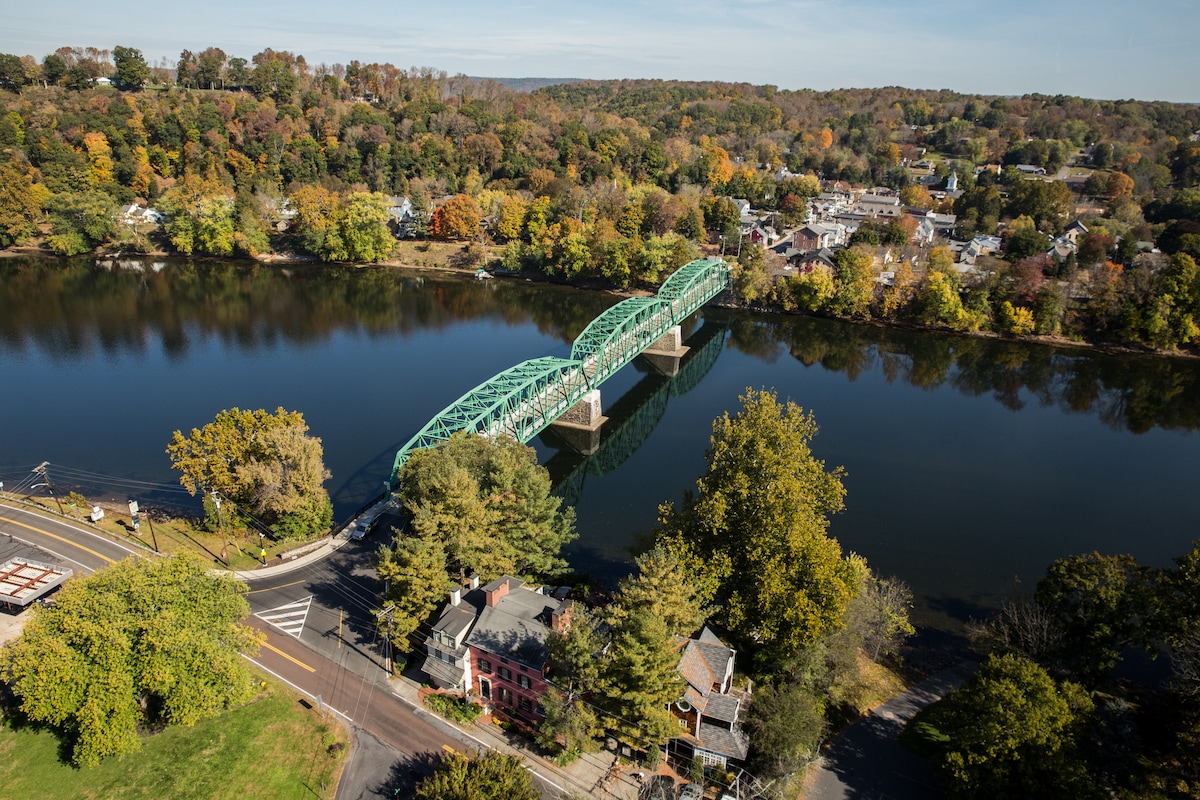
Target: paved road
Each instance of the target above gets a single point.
(73, 545)
(321, 638)
(867, 763)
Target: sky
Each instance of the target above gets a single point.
(1103, 49)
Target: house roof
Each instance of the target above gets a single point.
(449, 674)
(705, 662)
(457, 620)
(730, 743)
(516, 626)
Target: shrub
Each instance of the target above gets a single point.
(457, 709)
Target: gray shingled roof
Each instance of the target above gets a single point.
(516, 626)
(730, 743)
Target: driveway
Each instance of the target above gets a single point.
(866, 761)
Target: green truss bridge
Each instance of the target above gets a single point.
(523, 400)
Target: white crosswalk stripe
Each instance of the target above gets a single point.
(290, 618)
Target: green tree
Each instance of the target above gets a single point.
(53, 69)
(12, 72)
(1011, 731)
(786, 725)
(751, 279)
(809, 291)
(573, 654)
(639, 678)
(364, 230)
(853, 284)
(140, 642)
(489, 503)
(490, 776)
(200, 216)
(662, 588)
(939, 303)
(80, 221)
(1098, 603)
(569, 725)
(1170, 320)
(414, 571)
(267, 464)
(20, 204)
(132, 72)
(755, 534)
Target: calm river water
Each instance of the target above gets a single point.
(971, 463)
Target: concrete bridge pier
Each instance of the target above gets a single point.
(580, 424)
(665, 354)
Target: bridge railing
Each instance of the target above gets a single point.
(524, 399)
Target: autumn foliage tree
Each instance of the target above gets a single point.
(266, 464)
(457, 218)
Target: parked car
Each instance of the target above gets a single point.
(361, 530)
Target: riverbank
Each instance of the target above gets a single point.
(438, 257)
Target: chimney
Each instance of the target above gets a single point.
(499, 589)
(560, 619)
(475, 581)
(455, 597)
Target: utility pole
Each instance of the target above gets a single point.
(41, 469)
(153, 538)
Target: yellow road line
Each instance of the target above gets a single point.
(289, 658)
(61, 539)
(273, 588)
(449, 749)
(341, 616)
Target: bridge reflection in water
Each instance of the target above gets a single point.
(632, 418)
(523, 400)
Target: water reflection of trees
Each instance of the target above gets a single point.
(68, 307)
(1126, 392)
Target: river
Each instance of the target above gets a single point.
(971, 463)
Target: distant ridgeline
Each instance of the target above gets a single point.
(528, 84)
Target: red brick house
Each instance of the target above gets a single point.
(490, 643)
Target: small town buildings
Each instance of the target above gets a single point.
(1030, 169)
(816, 235)
(879, 206)
(709, 710)
(491, 643)
(135, 214)
(932, 226)
(979, 246)
(764, 235)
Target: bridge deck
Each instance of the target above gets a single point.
(524, 399)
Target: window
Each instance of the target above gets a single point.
(524, 704)
(485, 666)
(504, 673)
(523, 681)
(485, 688)
(504, 695)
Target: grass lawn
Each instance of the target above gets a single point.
(241, 547)
(272, 748)
(433, 254)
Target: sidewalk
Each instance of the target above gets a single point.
(592, 775)
(317, 552)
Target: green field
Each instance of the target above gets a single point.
(272, 748)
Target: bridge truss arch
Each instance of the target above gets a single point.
(524, 399)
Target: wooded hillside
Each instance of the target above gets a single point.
(616, 180)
